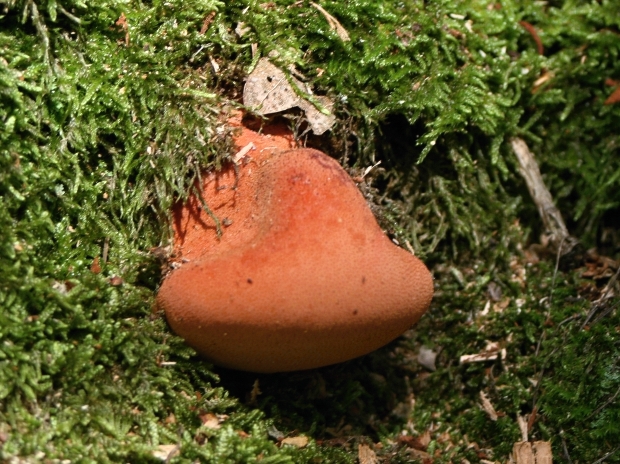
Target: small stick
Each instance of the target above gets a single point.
(551, 216)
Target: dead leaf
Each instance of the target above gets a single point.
(211, 421)
(255, 392)
(366, 455)
(122, 22)
(612, 82)
(95, 267)
(297, 442)
(427, 358)
(166, 452)
(207, 22)
(242, 29)
(268, 90)
(542, 452)
(614, 97)
(420, 442)
(539, 452)
(487, 406)
(115, 281)
(273, 432)
(319, 122)
(420, 455)
(334, 24)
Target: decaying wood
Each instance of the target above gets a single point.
(560, 240)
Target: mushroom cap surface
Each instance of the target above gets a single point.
(302, 276)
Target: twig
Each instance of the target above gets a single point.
(608, 288)
(551, 216)
(333, 23)
(42, 30)
(73, 18)
(599, 303)
(566, 455)
(606, 403)
(555, 273)
(598, 461)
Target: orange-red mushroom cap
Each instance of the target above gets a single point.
(302, 275)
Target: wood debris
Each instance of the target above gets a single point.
(243, 152)
(559, 238)
(491, 352)
(334, 24)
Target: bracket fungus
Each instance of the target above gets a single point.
(302, 275)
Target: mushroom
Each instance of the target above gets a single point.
(302, 276)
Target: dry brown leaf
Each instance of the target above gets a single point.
(124, 25)
(207, 22)
(95, 267)
(268, 90)
(255, 387)
(424, 440)
(421, 455)
(242, 29)
(211, 421)
(539, 452)
(297, 442)
(165, 452)
(420, 442)
(366, 455)
(319, 122)
(487, 406)
(542, 452)
(614, 97)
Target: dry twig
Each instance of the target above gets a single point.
(559, 238)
